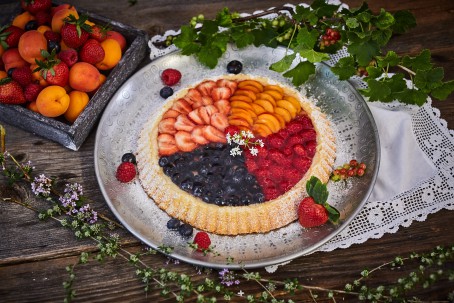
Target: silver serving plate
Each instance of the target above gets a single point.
(122, 121)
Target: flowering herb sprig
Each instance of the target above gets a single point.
(243, 140)
(70, 210)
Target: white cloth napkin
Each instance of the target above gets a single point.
(403, 165)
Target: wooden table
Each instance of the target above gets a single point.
(34, 254)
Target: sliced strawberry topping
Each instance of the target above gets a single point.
(184, 141)
(219, 93)
(195, 116)
(223, 106)
(211, 109)
(204, 114)
(198, 137)
(206, 87)
(167, 145)
(182, 106)
(194, 95)
(183, 123)
(232, 85)
(213, 134)
(220, 121)
(167, 126)
(171, 113)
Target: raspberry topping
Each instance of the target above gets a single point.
(126, 172)
(170, 76)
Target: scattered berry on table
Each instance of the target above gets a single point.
(129, 157)
(351, 169)
(173, 224)
(166, 92)
(170, 76)
(185, 230)
(202, 239)
(126, 172)
(234, 67)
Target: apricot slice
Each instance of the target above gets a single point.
(288, 106)
(280, 118)
(253, 83)
(267, 105)
(275, 94)
(241, 98)
(274, 87)
(262, 129)
(241, 104)
(267, 97)
(242, 114)
(244, 92)
(294, 102)
(270, 120)
(258, 109)
(273, 103)
(245, 111)
(239, 122)
(285, 114)
(252, 89)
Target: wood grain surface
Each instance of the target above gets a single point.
(34, 254)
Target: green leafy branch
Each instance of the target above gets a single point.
(305, 32)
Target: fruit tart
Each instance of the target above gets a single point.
(231, 155)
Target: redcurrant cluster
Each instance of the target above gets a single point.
(351, 169)
(330, 37)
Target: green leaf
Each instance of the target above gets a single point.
(364, 17)
(384, 20)
(420, 62)
(344, 68)
(265, 37)
(364, 51)
(443, 91)
(317, 190)
(242, 38)
(382, 36)
(429, 79)
(224, 18)
(352, 22)
(412, 96)
(374, 72)
(283, 64)
(186, 37)
(376, 91)
(220, 41)
(305, 13)
(209, 28)
(209, 55)
(391, 59)
(333, 213)
(404, 21)
(323, 9)
(306, 39)
(396, 84)
(313, 56)
(301, 72)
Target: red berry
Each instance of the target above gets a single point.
(22, 75)
(69, 56)
(202, 239)
(32, 91)
(52, 36)
(362, 166)
(294, 127)
(360, 172)
(275, 141)
(126, 172)
(231, 129)
(91, 52)
(170, 76)
(351, 172)
(310, 148)
(311, 214)
(353, 163)
(9, 36)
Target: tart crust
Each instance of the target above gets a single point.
(232, 220)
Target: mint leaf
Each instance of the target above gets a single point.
(301, 72)
(313, 56)
(404, 21)
(344, 68)
(443, 91)
(364, 51)
(333, 213)
(283, 64)
(306, 39)
(317, 190)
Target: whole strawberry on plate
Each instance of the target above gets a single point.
(314, 210)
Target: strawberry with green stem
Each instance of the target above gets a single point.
(11, 92)
(75, 32)
(314, 210)
(53, 70)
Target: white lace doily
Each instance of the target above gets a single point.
(380, 217)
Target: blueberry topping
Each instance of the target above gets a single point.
(53, 45)
(163, 161)
(31, 25)
(129, 157)
(173, 224)
(185, 230)
(166, 92)
(234, 67)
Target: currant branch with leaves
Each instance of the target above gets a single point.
(311, 34)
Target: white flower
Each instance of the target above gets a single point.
(254, 151)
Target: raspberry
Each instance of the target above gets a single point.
(202, 239)
(22, 75)
(294, 127)
(52, 36)
(299, 150)
(275, 141)
(308, 135)
(305, 121)
(271, 193)
(170, 76)
(231, 129)
(310, 148)
(302, 164)
(293, 140)
(126, 172)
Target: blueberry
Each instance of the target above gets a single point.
(52, 45)
(234, 67)
(30, 25)
(163, 161)
(129, 157)
(185, 230)
(173, 224)
(169, 170)
(187, 185)
(197, 190)
(245, 200)
(166, 92)
(10, 71)
(259, 197)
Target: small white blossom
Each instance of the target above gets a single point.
(244, 138)
(254, 151)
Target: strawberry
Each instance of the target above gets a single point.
(75, 32)
(223, 106)
(184, 123)
(43, 17)
(35, 6)
(32, 91)
(206, 87)
(99, 33)
(91, 52)
(22, 75)
(126, 172)
(219, 121)
(11, 92)
(69, 56)
(10, 35)
(53, 70)
(198, 137)
(52, 36)
(167, 145)
(220, 93)
(184, 141)
(314, 210)
(170, 76)
(202, 240)
(213, 134)
(311, 214)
